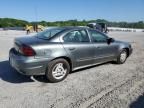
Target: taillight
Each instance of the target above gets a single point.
(27, 51)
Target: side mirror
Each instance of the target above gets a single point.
(110, 40)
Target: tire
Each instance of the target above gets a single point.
(57, 70)
(122, 57)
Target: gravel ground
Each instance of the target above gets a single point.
(103, 86)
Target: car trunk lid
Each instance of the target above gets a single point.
(24, 45)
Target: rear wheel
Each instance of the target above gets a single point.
(57, 70)
(122, 57)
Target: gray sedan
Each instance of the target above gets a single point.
(57, 51)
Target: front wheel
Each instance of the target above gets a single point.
(57, 70)
(122, 57)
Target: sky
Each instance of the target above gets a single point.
(60, 10)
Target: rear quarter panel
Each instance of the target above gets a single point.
(50, 50)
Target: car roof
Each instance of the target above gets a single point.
(69, 28)
(79, 27)
(73, 27)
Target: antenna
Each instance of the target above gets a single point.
(36, 19)
(36, 13)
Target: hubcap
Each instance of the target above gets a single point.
(59, 71)
(123, 56)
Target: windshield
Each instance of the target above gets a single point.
(47, 34)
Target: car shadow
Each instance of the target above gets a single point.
(139, 103)
(8, 74)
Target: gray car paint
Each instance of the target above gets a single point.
(80, 54)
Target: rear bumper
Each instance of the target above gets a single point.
(28, 65)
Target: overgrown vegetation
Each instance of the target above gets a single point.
(9, 22)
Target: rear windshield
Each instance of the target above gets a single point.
(47, 34)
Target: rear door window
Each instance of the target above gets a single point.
(76, 36)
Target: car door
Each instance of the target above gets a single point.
(103, 50)
(78, 46)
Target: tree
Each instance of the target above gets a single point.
(10, 22)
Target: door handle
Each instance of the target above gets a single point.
(72, 49)
(98, 47)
